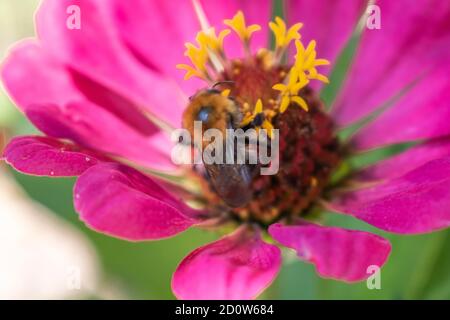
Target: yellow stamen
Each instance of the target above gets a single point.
(247, 119)
(225, 93)
(285, 101)
(258, 107)
(300, 74)
(208, 56)
(209, 39)
(283, 37)
(289, 92)
(267, 125)
(191, 72)
(306, 62)
(300, 101)
(237, 23)
(199, 58)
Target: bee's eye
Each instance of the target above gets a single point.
(203, 114)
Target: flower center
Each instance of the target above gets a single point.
(270, 94)
(253, 80)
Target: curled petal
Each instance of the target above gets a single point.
(238, 266)
(122, 202)
(44, 156)
(337, 253)
(416, 202)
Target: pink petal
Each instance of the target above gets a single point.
(255, 12)
(168, 25)
(407, 161)
(52, 96)
(33, 77)
(97, 51)
(172, 24)
(124, 203)
(330, 23)
(337, 253)
(422, 113)
(45, 156)
(79, 123)
(238, 266)
(412, 40)
(29, 74)
(416, 202)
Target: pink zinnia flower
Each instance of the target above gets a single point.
(104, 95)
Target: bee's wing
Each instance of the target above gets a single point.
(231, 182)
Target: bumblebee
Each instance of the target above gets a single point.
(230, 181)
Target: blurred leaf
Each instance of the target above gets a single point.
(12, 119)
(438, 286)
(277, 11)
(363, 159)
(297, 280)
(8, 113)
(339, 72)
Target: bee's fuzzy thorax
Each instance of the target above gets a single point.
(221, 109)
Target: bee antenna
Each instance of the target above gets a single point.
(218, 83)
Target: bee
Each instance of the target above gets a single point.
(230, 181)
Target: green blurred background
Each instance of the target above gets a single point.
(418, 267)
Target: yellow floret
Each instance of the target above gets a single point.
(237, 23)
(283, 37)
